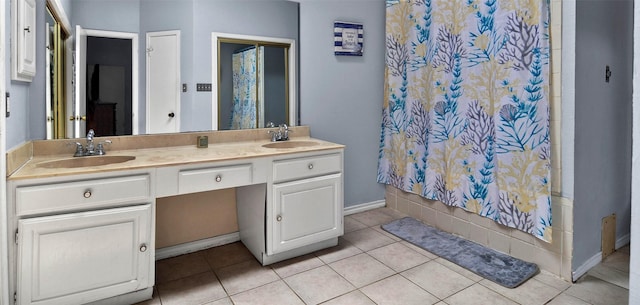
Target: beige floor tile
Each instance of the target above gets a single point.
(180, 266)
(273, 293)
(395, 214)
(618, 260)
(368, 239)
(552, 280)
(350, 225)
(598, 292)
(352, 298)
(465, 272)
(361, 270)
(373, 218)
(318, 285)
(227, 255)
(398, 257)
(531, 292)
(196, 289)
(398, 290)
(296, 265)
(478, 294)
(244, 276)
(225, 301)
(419, 250)
(565, 299)
(343, 250)
(387, 234)
(611, 275)
(437, 279)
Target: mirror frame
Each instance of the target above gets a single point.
(216, 38)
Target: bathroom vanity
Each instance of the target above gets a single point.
(85, 234)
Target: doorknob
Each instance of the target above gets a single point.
(171, 114)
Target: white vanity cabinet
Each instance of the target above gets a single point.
(83, 239)
(303, 211)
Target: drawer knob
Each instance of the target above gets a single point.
(279, 218)
(218, 178)
(143, 247)
(310, 166)
(87, 194)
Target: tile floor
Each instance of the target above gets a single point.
(369, 266)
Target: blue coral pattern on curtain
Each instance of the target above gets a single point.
(466, 110)
(245, 75)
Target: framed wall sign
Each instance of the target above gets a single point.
(348, 38)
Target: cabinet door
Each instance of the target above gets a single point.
(83, 257)
(305, 212)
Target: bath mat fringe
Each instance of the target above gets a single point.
(498, 267)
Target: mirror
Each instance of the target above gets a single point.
(253, 74)
(196, 20)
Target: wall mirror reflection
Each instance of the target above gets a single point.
(255, 81)
(258, 21)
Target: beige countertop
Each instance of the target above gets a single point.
(167, 156)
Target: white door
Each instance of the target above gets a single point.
(47, 75)
(163, 82)
(80, 107)
(305, 212)
(83, 257)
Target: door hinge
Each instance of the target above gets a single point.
(15, 297)
(17, 237)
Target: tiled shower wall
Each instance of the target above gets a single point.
(554, 257)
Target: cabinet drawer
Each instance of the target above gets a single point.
(306, 167)
(213, 178)
(94, 193)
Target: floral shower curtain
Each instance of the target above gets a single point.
(245, 75)
(466, 111)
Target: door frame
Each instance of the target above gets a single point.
(178, 71)
(4, 223)
(135, 117)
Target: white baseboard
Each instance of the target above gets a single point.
(364, 207)
(597, 258)
(197, 245)
(202, 244)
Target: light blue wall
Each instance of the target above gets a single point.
(604, 36)
(341, 96)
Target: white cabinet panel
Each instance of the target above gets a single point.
(286, 170)
(306, 212)
(24, 39)
(213, 178)
(82, 257)
(82, 195)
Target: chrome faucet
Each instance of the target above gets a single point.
(281, 134)
(90, 149)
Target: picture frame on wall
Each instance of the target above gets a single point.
(348, 38)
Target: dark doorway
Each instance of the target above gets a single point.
(109, 90)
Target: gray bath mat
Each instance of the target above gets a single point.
(490, 264)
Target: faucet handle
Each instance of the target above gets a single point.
(79, 149)
(100, 149)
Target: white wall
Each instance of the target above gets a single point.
(603, 121)
(341, 96)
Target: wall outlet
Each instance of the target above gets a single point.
(203, 87)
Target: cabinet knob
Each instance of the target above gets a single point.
(279, 218)
(310, 166)
(218, 178)
(143, 247)
(87, 194)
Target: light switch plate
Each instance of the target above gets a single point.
(203, 87)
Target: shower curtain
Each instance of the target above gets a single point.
(245, 78)
(466, 112)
